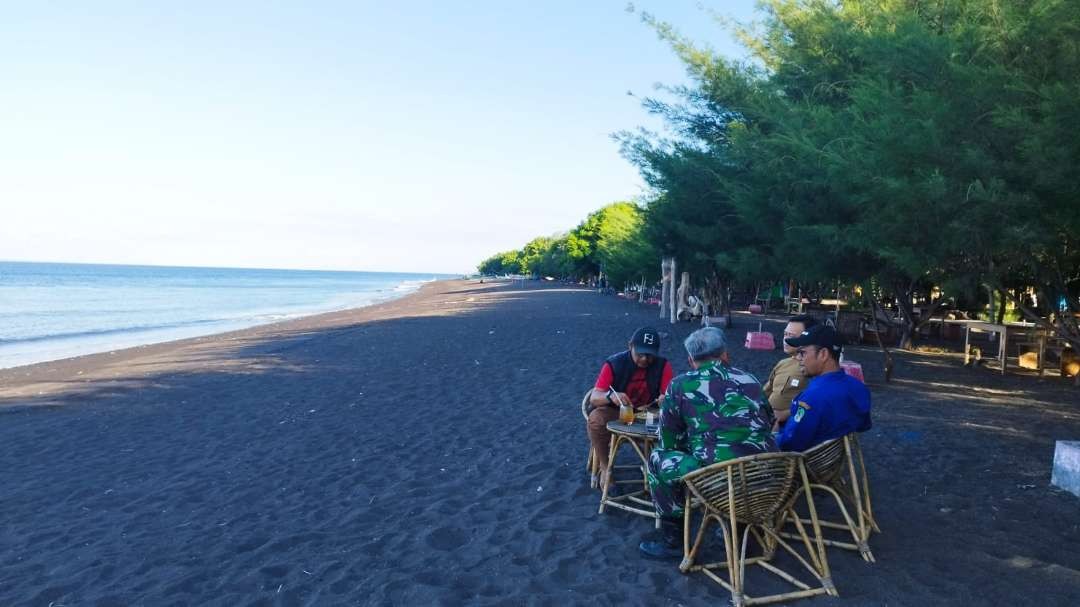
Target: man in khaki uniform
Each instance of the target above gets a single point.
(787, 379)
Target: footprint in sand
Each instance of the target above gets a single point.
(447, 538)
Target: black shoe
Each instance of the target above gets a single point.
(670, 545)
(660, 550)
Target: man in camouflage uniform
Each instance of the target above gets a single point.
(710, 414)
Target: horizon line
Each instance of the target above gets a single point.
(200, 267)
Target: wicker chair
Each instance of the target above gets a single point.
(754, 494)
(832, 469)
(592, 464)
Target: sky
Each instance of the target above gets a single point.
(405, 136)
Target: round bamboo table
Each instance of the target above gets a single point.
(641, 440)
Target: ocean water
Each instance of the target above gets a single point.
(50, 311)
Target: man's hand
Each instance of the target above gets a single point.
(605, 398)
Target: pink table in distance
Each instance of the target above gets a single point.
(853, 369)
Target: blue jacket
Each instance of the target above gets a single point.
(833, 405)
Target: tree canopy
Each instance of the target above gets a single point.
(609, 243)
(896, 144)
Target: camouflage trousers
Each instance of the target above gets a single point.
(666, 469)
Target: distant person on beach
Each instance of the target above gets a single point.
(638, 375)
(710, 414)
(787, 378)
(834, 404)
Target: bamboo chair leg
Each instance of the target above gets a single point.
(856, 491)
(607, 480)
(866, 488)
(592, 468)
(859, 533)
(826, 577)
(813, 568)
(643, 455)
(742, 564)
(767, 545)
(802, 535)
(696, 547)
(688, 554)
(735, 564)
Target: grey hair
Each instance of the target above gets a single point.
(707, 342)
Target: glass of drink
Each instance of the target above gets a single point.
(626, 414)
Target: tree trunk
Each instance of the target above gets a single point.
(718, 298)
(712, 293)
(878, 310)
(1000, 316)
(727, 306)
(907, 314)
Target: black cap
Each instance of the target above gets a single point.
(822, 336)
(646, 340)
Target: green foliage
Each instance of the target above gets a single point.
(893, 143)
(896, 143)
(501, 263)
(608, 242)
(622, 251)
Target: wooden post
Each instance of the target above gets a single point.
(683, 294)
(665, 285)
(672, 305)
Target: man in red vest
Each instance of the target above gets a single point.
(638, 376)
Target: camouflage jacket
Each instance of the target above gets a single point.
(716, 412)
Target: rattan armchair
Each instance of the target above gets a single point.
(592, 463)
(754, 495)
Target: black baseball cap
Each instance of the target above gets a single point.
(646, 340)
(822, 336)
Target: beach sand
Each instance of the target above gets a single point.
(430, 451)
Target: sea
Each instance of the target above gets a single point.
(50, 311)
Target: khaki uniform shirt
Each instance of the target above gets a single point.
(784, 384)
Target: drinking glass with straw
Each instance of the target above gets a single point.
(626, 412)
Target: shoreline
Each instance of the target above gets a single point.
(53, 377)
(63, 310)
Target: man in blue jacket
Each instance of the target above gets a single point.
(834, 404)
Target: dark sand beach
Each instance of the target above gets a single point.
(430, 451)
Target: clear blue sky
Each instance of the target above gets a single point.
(411, 136)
